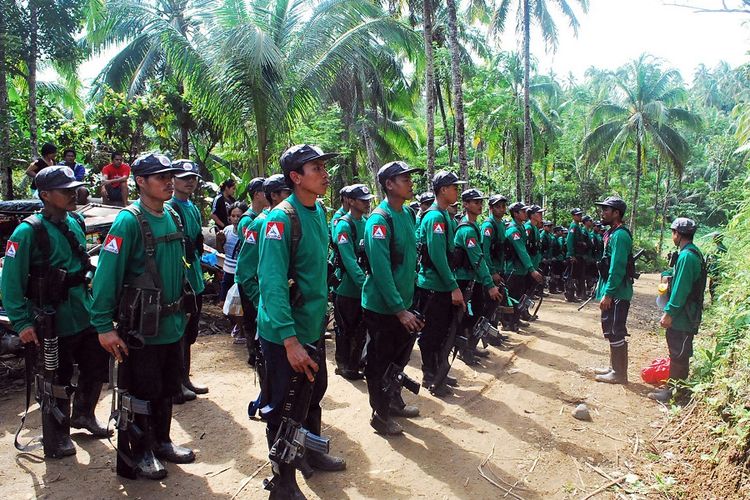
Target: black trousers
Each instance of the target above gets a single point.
(250, 326)
(438, 316)
(193, 323)
(578, 275)
(478, 302)
(517, 286)
(279, 373)
(614, 322)
(155, 371)
(389, 343)
(680, 345)
(351, 332)
(83, 349)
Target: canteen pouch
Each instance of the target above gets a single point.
(139, 310)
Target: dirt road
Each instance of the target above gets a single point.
(513, 414)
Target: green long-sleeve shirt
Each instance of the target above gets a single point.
(389, 288)
(547, 245)
(618, 245)
(335, 219)
(277, 320)
(493, 237)
(246, 273)
(684, 305)
(346, 239)
(468, 238)
(192, 226)
(123, 258)
(533, 243)
(521, 263)
(575, 234)
(437, 232)
(21, 252)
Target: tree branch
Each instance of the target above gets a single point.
(706, 10)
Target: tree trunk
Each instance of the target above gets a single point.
(664, 209)
(519, 177)
(444, 118)
(429, 82)
(639, 153)
(656, 192)
(6, 172)
(262, 133)
(458, 96)
(184, 123)
(527, 159)
(479, 157)
(31, 76)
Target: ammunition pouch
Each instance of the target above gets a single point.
(459, 259)
(603, 267)
(48, 287)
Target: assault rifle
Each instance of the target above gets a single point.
(452, 344)
(292, 440)
(124, 409)
(634, 275)
(395, 378)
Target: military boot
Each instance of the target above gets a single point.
(84, 403)
(59, 444)
(317, 460)
(164, 448)
(283, 485)
(619, 373)
(604, 370)
(399, 408)
(142, 446)
(190, 386)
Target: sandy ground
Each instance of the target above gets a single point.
(513, 414)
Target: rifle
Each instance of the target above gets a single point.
(124, 409)
(394, 377)
(453, 342)
(43, 364)
(292, 440)
(636, 275)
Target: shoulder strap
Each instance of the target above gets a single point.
(392, 237)
(471, 225)
(352, 227)
(80, 220)
(41, 238)
(291, 212)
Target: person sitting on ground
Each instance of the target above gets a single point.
(115, 181)
(222, 202)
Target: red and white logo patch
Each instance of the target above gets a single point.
(379, 232)
(112, 244)
(251, 236)
(488, 231)
(10, 249)
(471, 243)
(516, 236)
(438, 228)
(343, 239)
(274, 230)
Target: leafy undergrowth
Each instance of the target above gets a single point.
(707, 443)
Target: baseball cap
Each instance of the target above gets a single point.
(534, 209)
(294, 157)
(547, 223)
(615, 202)
(255, 185)
(682, 225)
(576, 211)
(517, 207)
(152, 163)
(587, 218)
(344, 190)
(445, 178)
(426, 197)
(497, 198)
(360, 192)
(187, 168)
(56, 177)
(275, 183)
(472, 194)
(394, 168)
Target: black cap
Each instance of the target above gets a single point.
(293, 158)
(497, 198)
(152, 163)
(557, 228)
(343, 191)
(275, 183)
(587, 218)
(56, 177)
(598, 223)
(187, 168)
(615, 202)
(534, 209)
(517, 207)
(360, 192)
(445, 178)
(426, 197)
(414, 205)
(547, 223)
(394, 168)
(472, 194)
(682, 225)
(576, 211)
(256, 184)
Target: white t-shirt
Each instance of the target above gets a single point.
(231, 249)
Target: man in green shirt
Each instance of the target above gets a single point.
(388, 293)
(545, 238)
(246, 275)
(154, 370)
(589, 258)
(436, 276)
(557, 260)
(683, 313)
(347, 234)
(533, 235)
(185, 183)
(576, 247)
(519, 269)
(291, 319)
(425, 200)
(615, 289)
(54, 240)
(344, 208)
(473, 268)
(714, 262)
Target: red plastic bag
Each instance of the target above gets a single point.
(657, 372)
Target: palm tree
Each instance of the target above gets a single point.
(645, 113)
(429, 82)
(457, 80)
(538, 9)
